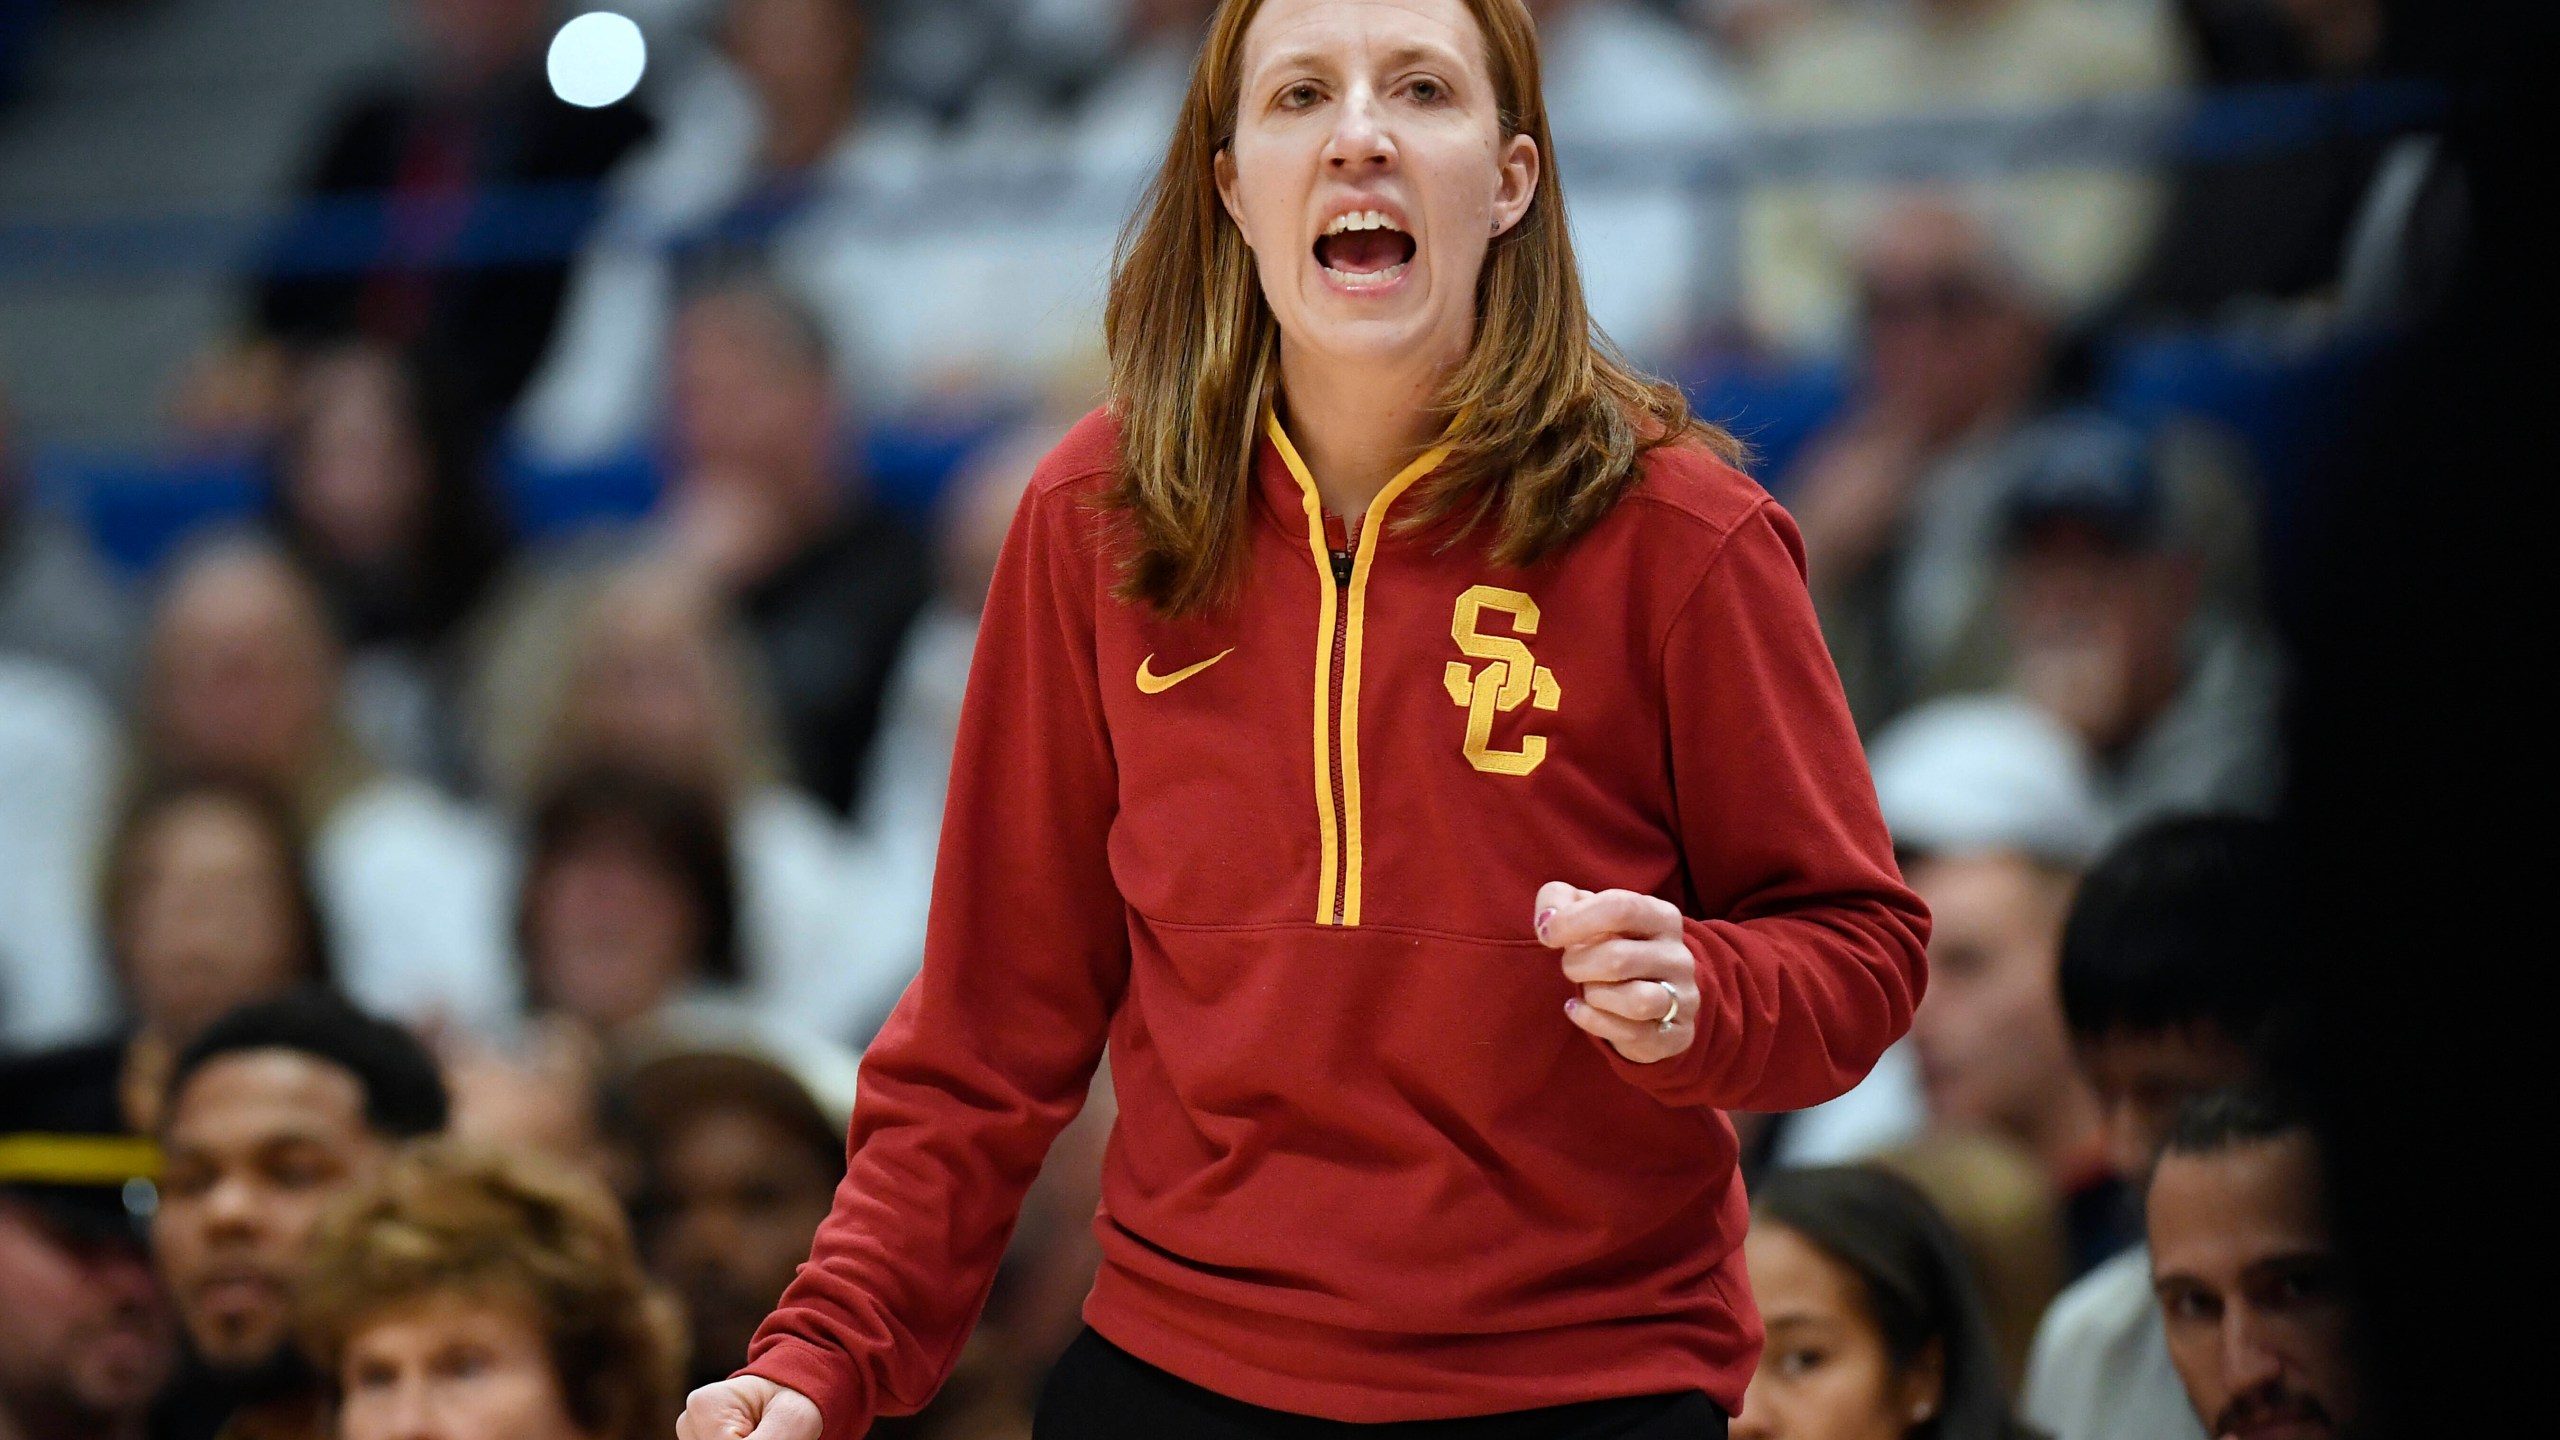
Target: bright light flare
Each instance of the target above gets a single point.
(597, 59)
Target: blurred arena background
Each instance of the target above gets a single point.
(495, 495)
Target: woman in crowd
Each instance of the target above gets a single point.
(1423, 1015)
(656, 678)
(1875, 1331)
(243, 678)
(378, 494)
(208, 906)
(465, 1295)
(628, 905)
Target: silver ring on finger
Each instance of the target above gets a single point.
(1671, 1016)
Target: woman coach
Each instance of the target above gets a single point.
(1401, 737)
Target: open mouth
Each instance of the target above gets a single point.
(1363, 248)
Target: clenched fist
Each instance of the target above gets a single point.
(1639, 981)
(748, 1408)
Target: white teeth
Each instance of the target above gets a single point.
(1361, 280)
(1359, 220)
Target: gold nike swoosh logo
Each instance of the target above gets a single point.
(1150, 683)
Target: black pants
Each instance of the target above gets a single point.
(1101, 1392)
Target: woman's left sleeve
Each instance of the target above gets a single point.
(1811, 952)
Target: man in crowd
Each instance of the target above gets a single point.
(273, 1112)
(2129, 615)
(738, 1160)
(2250, 1289)
(2169, 973)
(761, 503)
(1991, 808)
(1899, 498)
(85, 1336)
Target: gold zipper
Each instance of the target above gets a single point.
(1337, 690)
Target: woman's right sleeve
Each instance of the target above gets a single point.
(989, 1053)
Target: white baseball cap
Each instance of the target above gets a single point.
(1988, 772)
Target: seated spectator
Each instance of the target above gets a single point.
(759, 511)
(208, 907)
(2252, 1295)
(658, 677)
(1900, 498)
(2116, 623)
(2075, 232)
(463, 1294)
(244, 680)
(437, 147)
(381, 501)
(272, 1113)
(58, 761)
(1991, 809)
(86, 1338)
(58, 602)
(737, 1159)
(761, 507)
(1873, 1325)
(2169, 980)
(628, 906)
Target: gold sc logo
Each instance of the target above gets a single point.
(1510, 676)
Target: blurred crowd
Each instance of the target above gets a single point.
(435, 946)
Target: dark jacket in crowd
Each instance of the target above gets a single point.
(830, 626)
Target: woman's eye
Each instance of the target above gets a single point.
(373, 1377)
(1429, 92)
(1299, 96)
(1799, 1362)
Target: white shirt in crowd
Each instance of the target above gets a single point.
(417, 891)
(2100, 1366)
(57, 771)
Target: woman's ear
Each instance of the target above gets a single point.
(1921, 1389)
(1223, 167)
(1519, 182)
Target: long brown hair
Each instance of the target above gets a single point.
(1548, 420)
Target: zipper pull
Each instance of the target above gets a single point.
(1341, 568)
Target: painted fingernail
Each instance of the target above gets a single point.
(1572, 1005)
(1540, 924)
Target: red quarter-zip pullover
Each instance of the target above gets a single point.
(1282, 859)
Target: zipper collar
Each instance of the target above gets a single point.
(1300, 486)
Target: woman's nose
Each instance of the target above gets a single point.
(1359, 139)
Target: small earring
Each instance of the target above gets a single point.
(1921, 1412)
